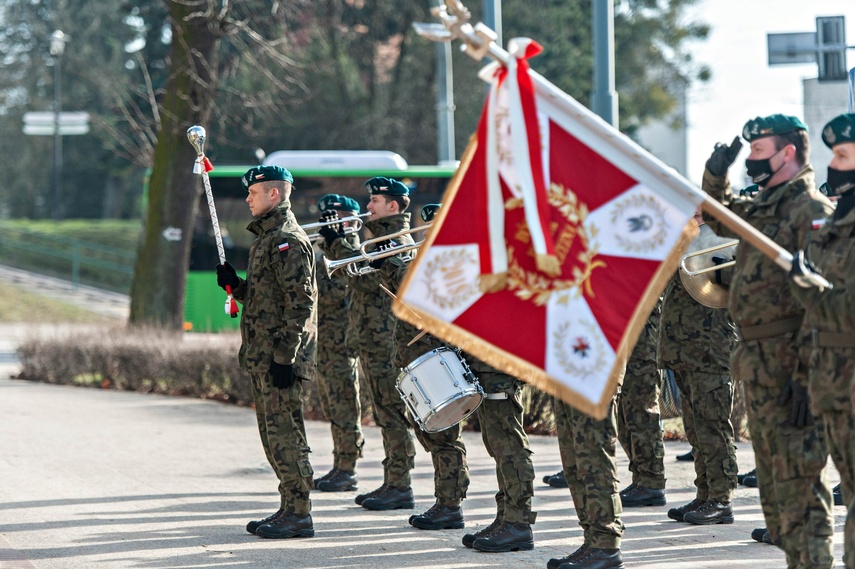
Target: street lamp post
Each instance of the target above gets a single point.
(57, 47)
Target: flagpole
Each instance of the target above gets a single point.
(479, 41)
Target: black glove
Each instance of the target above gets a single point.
(719, 261)
(796, 395)
(723, 156)
(382, 246)
(801, 270)
(330, 232)
(227, 276)
(283, 375)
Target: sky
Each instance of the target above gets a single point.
(743, 84)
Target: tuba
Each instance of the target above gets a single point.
(697, 267)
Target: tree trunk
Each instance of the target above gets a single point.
(160, 274)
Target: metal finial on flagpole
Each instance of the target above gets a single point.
(479, 41)
(197, 137)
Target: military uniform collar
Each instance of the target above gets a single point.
(272, 219)
(389, 224)
(844, 226)
(771, 197)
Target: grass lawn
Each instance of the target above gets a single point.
(18, 305)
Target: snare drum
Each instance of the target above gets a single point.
(439, 389)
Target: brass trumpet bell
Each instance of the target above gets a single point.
(697, 269)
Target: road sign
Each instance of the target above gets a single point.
(44, 123)
(791, 48)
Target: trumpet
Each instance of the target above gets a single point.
(708, 250)
(366, 256)
(355, 227)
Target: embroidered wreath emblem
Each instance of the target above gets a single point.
(645, 214)
(534, 285)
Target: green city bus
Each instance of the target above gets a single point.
(316, 173)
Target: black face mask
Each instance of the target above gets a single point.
(761, 170)
(840, 181)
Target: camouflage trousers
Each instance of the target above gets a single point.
(279, 413)
(706, 400)
(639, 430)
(338, 389)
(389, 412)
(840, 434)
(587, 449)
(506, 442)
(450, 471)
(790, 461)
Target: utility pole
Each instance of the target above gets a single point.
(604, 99)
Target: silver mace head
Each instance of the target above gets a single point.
(197, 137)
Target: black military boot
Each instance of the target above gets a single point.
(548, 476)
(740, 478)
(555, 563)
(710, 512)
(326, 476)
(287, 525)
(361, 497)
(392, 498)
(596, 558)
(761, 535)
(252, 526)
(642, 496)
(678, 513)
(341, 481)
(469, 538)
(557, 480)
(688, 457)
(838, 496)
(439, 517)
(507, 536)
(750, 479)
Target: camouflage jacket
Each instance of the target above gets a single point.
(645, 346)
(828, 330)
(759, 289)
(392, 274)
(279, 296)
(368, 303)
(693, 337)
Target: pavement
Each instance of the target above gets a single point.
(105, 478)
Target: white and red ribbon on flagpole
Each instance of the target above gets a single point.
(526, 157)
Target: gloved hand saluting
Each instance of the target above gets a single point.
(283, 375)
(227, 276)
(796, 395)
(723, 157)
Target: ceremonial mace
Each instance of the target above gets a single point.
(197, 137)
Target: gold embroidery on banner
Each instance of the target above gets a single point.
(534, 285)
(648, 204)
(445, 278)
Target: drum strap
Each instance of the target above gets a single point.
(496, 396)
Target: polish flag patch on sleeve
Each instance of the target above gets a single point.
(283, 249)
(817, 223)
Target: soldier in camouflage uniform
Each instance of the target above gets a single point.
(587, 447)
(501, 418)
(696, 342)
(278, 342)
(828, 330)
(338, 382)
(448, 454)
(793, 486)
(639, 429)
(373, 325)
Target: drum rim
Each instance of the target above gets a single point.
(479, 393)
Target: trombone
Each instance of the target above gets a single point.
(709, 269)
(354, 220)
(366, 256)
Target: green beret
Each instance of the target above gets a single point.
(429, 211)
(769, 126)
(338, 203)
(386, 187)
(840, 129)
(258, 174)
